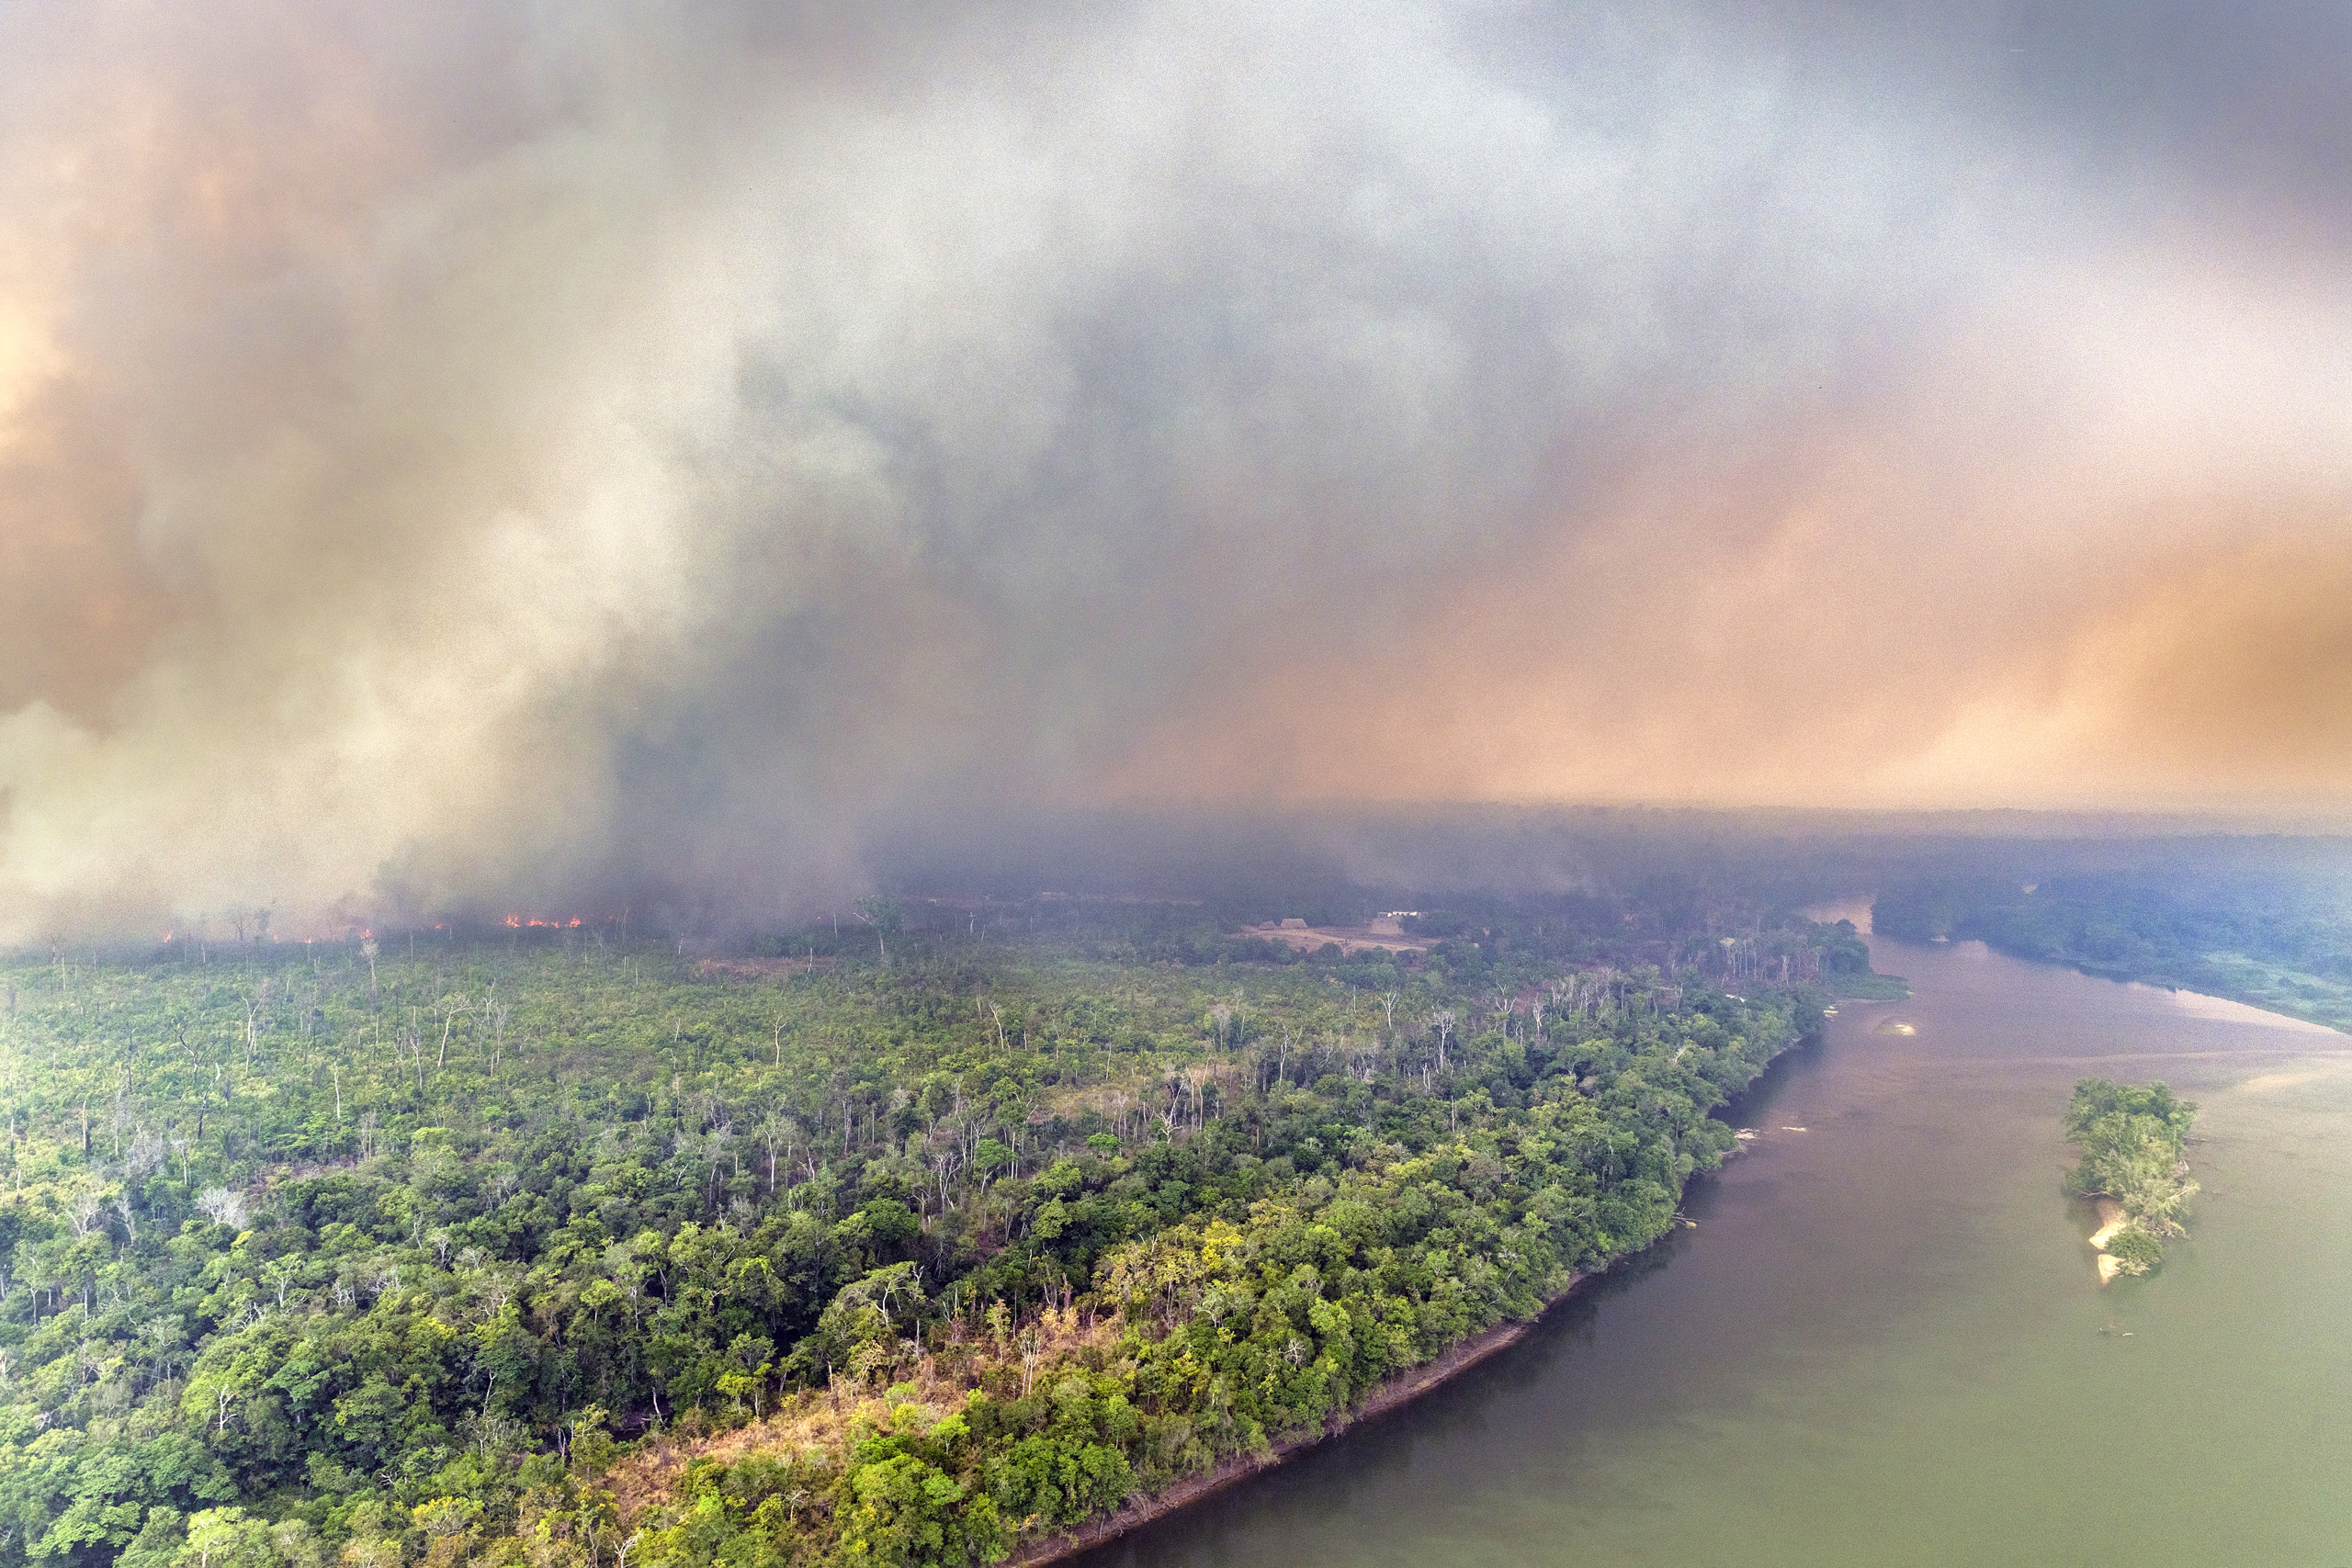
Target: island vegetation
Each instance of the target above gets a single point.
(914, 1236)
(2131, 1140)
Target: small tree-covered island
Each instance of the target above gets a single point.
(928, 1237)
(2134, 1164)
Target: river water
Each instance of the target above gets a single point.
(1885, 1342)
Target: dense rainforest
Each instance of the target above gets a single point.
(907, 1238)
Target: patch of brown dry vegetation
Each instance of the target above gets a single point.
(1383, 935)
(832, 1419)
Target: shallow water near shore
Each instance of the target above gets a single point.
(1886, 1342)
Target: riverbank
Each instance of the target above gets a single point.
(1402, 1389)
(1819, 1377)
(1086, 1392)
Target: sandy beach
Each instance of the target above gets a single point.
(2111, 1220)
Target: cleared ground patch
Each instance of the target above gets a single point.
(1381, 935)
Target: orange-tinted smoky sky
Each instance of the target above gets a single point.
(488, 453)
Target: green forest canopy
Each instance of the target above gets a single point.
(2271, 937)
(388, 1251)
(2132, 1140)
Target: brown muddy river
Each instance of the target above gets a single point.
(1885, 1342)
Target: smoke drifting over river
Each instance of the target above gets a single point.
(492, 452)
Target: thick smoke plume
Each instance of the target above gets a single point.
(494, 454)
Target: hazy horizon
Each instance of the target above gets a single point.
(498, 455)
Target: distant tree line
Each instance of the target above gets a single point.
(2278, 940)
